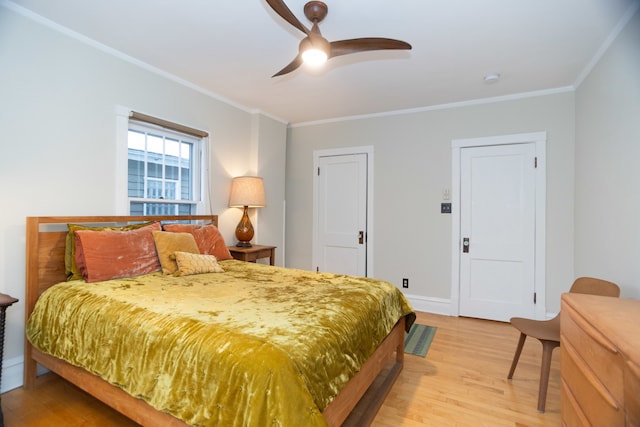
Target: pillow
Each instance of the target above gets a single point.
(112, 254)
(70, 250)
(168, 243)
(208, 238)
(190, 263)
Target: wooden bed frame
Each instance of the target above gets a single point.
(357, 403)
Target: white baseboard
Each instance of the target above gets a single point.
(430, 305)
(442, 306)
(12, 373)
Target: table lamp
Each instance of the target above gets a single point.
(246, 192)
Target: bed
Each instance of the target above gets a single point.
(283, 373)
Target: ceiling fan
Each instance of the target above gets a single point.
(316, 49)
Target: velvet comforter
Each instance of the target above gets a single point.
(255, 345)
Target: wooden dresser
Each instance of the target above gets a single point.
(600, 361)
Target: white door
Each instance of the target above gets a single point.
(497, 231)
(341, 214)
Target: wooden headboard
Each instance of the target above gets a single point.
(46, 241)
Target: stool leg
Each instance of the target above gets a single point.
(516, 356)
(545, 367)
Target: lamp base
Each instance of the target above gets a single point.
(244, 231)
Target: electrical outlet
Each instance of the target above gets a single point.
(405, 283)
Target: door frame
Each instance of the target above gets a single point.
(540, 141)
(368, 150)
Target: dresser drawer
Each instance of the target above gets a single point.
(600, 361)
(598, 353)
(590, 395)
(572, 415)
(632, 393)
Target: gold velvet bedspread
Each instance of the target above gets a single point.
(253, 346)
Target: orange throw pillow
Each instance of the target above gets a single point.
(208, 238)
(113, 254)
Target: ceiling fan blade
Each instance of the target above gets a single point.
(297, 62)
(344, 47)
(285, 13)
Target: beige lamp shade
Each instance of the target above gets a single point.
(247, 191)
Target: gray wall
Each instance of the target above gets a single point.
(412, 155)
(271, 153)
(607, 220)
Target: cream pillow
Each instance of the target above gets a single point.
(192, 263)
(168, 243)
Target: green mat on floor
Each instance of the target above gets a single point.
(418, 340)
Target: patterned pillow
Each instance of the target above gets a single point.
(189, 263)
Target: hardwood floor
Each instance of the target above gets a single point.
(461, 382)
(463, 379)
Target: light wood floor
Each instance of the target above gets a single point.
(461, 382)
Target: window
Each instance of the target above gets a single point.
(164, 168)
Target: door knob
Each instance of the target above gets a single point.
(361, 237)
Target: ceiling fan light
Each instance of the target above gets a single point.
(314, 50)
(314, 57)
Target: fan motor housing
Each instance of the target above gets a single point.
(315, 11)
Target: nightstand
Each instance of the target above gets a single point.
(5, 301)
(254, 253)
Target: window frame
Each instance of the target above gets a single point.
(125, 121)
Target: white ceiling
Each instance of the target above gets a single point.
(232, 48)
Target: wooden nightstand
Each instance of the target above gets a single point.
(5, 301)
(254, 253)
